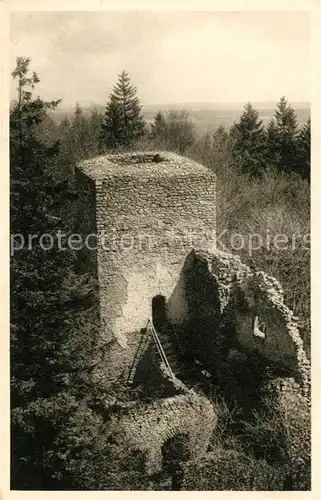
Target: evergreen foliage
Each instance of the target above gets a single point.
(124, 122)
(304, 150)
(282, 144)
(159, 130)
(272, 145)
(220, 135)
(54, 323)
(249, 139)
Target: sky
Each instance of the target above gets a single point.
(171, 57)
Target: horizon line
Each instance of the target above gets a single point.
(194, 103)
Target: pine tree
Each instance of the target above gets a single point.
(80, 134)
(67, 158)
(207, 141)
(304, 150)
(221, 148)
(54, 332)
(272, 145)
(220, 136)
(159, 132)
(95, 121)
(249, 139)
(124, 122)
(286, 131)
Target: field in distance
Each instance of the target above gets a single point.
(207, 116)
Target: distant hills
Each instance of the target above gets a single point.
(208, 116)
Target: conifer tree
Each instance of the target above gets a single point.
(220, 136)
(249, 139)
(54, 334)
(159, 132)
(67, 158)
(95, 121)
(80, 134)
(272, 145)
(304, 150)
(285, 136)
(221, 148)
(124, 122)
(207, 141)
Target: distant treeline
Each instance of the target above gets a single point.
(251, 146)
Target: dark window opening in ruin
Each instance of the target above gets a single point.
(159, 315)
(175, 451)
(136, 461)
(259, 327)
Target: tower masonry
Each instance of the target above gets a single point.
(142, 213)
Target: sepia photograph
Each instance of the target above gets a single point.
(160, 330)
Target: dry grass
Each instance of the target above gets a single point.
(276, 207)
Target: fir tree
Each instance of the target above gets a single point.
(207, 141)
(95, 121)
(249, 139)
(124, 122)
(67, 158)
(220, 136)
(272, 145)
(221, 148)
(286, 131)
(304, 150)
(159, 132)
(54, 327)
(80, 134)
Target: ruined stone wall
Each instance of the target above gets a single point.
(147, 427)
(234, 309)
(151, 215)
(164, 408)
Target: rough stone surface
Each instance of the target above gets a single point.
(147, 427)
(228, 295)
(150, 216)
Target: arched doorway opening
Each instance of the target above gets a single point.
(175, 451)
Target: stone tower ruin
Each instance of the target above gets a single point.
(149, 221)
(148, 210)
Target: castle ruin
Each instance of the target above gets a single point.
(156, 259)
(149, 211)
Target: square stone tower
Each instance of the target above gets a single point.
(148, 211)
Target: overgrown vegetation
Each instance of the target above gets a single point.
(58, 435)
(55, 339)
